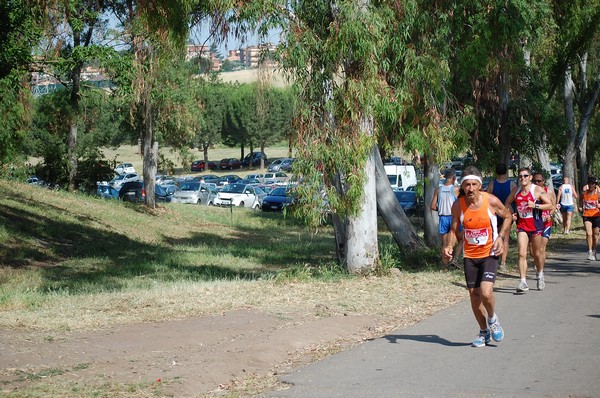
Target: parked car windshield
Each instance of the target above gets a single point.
(234, 188)
(278, 192)
(405, 196)
(190, 186)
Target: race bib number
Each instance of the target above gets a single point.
(478, 237)
(588, 205)
(524, 210)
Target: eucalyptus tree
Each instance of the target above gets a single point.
(71, 41)
(576, 64)
(213, 110)
(491, 44)
(20, 31)
(155, 31)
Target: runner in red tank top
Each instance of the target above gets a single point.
(483, 243)
(530, 200)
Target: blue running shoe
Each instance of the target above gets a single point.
(497, 331)
(482, 339)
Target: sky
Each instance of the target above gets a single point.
(200, 35)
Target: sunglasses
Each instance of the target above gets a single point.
(523, 175)
(538, 181)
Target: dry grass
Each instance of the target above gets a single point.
(107, 263)
(129, 153)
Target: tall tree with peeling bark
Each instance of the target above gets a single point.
(575, 64)
(157, 31)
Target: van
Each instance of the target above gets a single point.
(401, 177)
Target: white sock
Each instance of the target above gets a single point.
(524, 280)
(492, 319)
(541, 273)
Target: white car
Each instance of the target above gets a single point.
(122, 179)
(243, 195)
(124, 168)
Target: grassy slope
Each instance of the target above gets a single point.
(107, 263)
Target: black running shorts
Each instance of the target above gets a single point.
(479, 270)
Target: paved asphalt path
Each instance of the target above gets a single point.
(551, 347)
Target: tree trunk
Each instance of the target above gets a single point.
(391, 212)
(205, 152)
(74, 100)
(150, 153)
(570, 148)
(431, 218)
(362, 251)
(504, 137)
(544, 158)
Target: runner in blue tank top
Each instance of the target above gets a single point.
(501, 188)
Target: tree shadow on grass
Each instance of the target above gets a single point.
(80, 258)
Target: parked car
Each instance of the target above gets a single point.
(35, 180)
(248, 181)
(124, 168)
(230, 164)
(106, 191)
(207, 178)
(242, 195)
(170, 188)
(228, 179)
(254, 159)
(162, 179)
(164, 193)
(123, 178)
(407, 200)
(132, 191)
(208, 193)
(278, 199)
(135, 192)
(189, 192)
(201, 165)
(275, 178)
(258, 177)
(276, 164)
(267, 187)
(286, 165)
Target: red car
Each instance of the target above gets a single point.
(200, 165)
(230, 164)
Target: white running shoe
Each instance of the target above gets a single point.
(591, 256)
(522, 288)
(541, 283)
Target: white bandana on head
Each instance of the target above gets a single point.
(470, 177)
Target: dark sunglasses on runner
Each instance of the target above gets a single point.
(523, 175)
(538, 181)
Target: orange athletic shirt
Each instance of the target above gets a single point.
(590, 204)
(479, 228)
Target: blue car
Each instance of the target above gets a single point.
(106, 191)
(278, 199)
(407, 200)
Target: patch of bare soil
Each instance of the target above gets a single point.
(189, 358)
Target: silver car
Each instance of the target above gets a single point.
(122, 179)
(277, 164)
(189, 192)
(194, 192)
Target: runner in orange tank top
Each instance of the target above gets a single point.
(476, 211)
